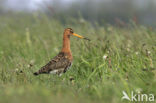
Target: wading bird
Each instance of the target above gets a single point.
(61, 63)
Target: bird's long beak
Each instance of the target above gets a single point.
(80, 36)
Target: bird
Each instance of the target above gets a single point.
(61, 63)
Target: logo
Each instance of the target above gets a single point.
(138, 97)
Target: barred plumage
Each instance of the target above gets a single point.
(58, 64)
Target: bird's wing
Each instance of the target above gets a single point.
(58, 64)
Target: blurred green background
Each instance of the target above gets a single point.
(121, 55)
(119, 12)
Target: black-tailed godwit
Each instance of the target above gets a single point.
(60, 63)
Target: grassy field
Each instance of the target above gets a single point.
(115, 60)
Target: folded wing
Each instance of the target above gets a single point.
(57, 65)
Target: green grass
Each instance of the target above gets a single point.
(29, 42)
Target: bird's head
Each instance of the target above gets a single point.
(68, 32)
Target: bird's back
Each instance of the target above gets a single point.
(59, 64)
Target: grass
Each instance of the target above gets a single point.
(115, 60)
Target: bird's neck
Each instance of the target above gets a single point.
(66, 44)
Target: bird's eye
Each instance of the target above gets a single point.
(71, 31)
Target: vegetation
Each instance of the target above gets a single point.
(115, 60)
